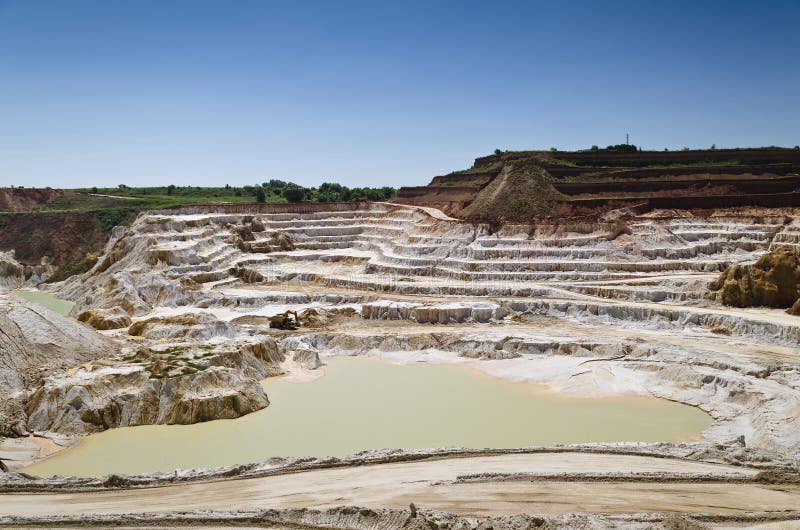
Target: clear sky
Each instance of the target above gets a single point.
(377, 93)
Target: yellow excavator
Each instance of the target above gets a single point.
(287, 321)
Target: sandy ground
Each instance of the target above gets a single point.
(545, 483)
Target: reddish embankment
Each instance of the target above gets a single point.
(593, 182)
(26, 199)
(604, 158)
(64, 237)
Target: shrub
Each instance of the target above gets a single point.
(261, 196)
(112, 217)
(294, 194)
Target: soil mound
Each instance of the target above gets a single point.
(522, 191)
(772, 281)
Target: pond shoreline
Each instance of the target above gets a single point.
(438, 403)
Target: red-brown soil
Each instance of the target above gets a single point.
(64, 237)
(26, 199)
(593, 182)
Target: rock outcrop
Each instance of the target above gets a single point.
(106, 319)
(772, 281)
(307, 358)
(177, 385)
(443, 313)
(13, 420)
(12, 273)
(35, 340)
(195, 326)
(123, 396)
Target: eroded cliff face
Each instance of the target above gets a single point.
(62, 376)
(122, 396)
(14, 274)
(26, 199)
(67, 242)
(35, 342)
(161, 381)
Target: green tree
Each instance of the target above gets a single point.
(261, 196)
(622, 148)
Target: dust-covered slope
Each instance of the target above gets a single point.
(34, 339)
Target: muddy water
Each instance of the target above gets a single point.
(47, 300)
(364, 403)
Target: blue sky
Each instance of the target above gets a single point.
(376, 93)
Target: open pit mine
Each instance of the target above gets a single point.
(543, 340)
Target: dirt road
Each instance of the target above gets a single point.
(544, 483)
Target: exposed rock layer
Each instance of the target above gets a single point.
(179, 385)
(35, 341)
(772, 281)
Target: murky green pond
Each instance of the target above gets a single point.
(364, 403)
(47, 300)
